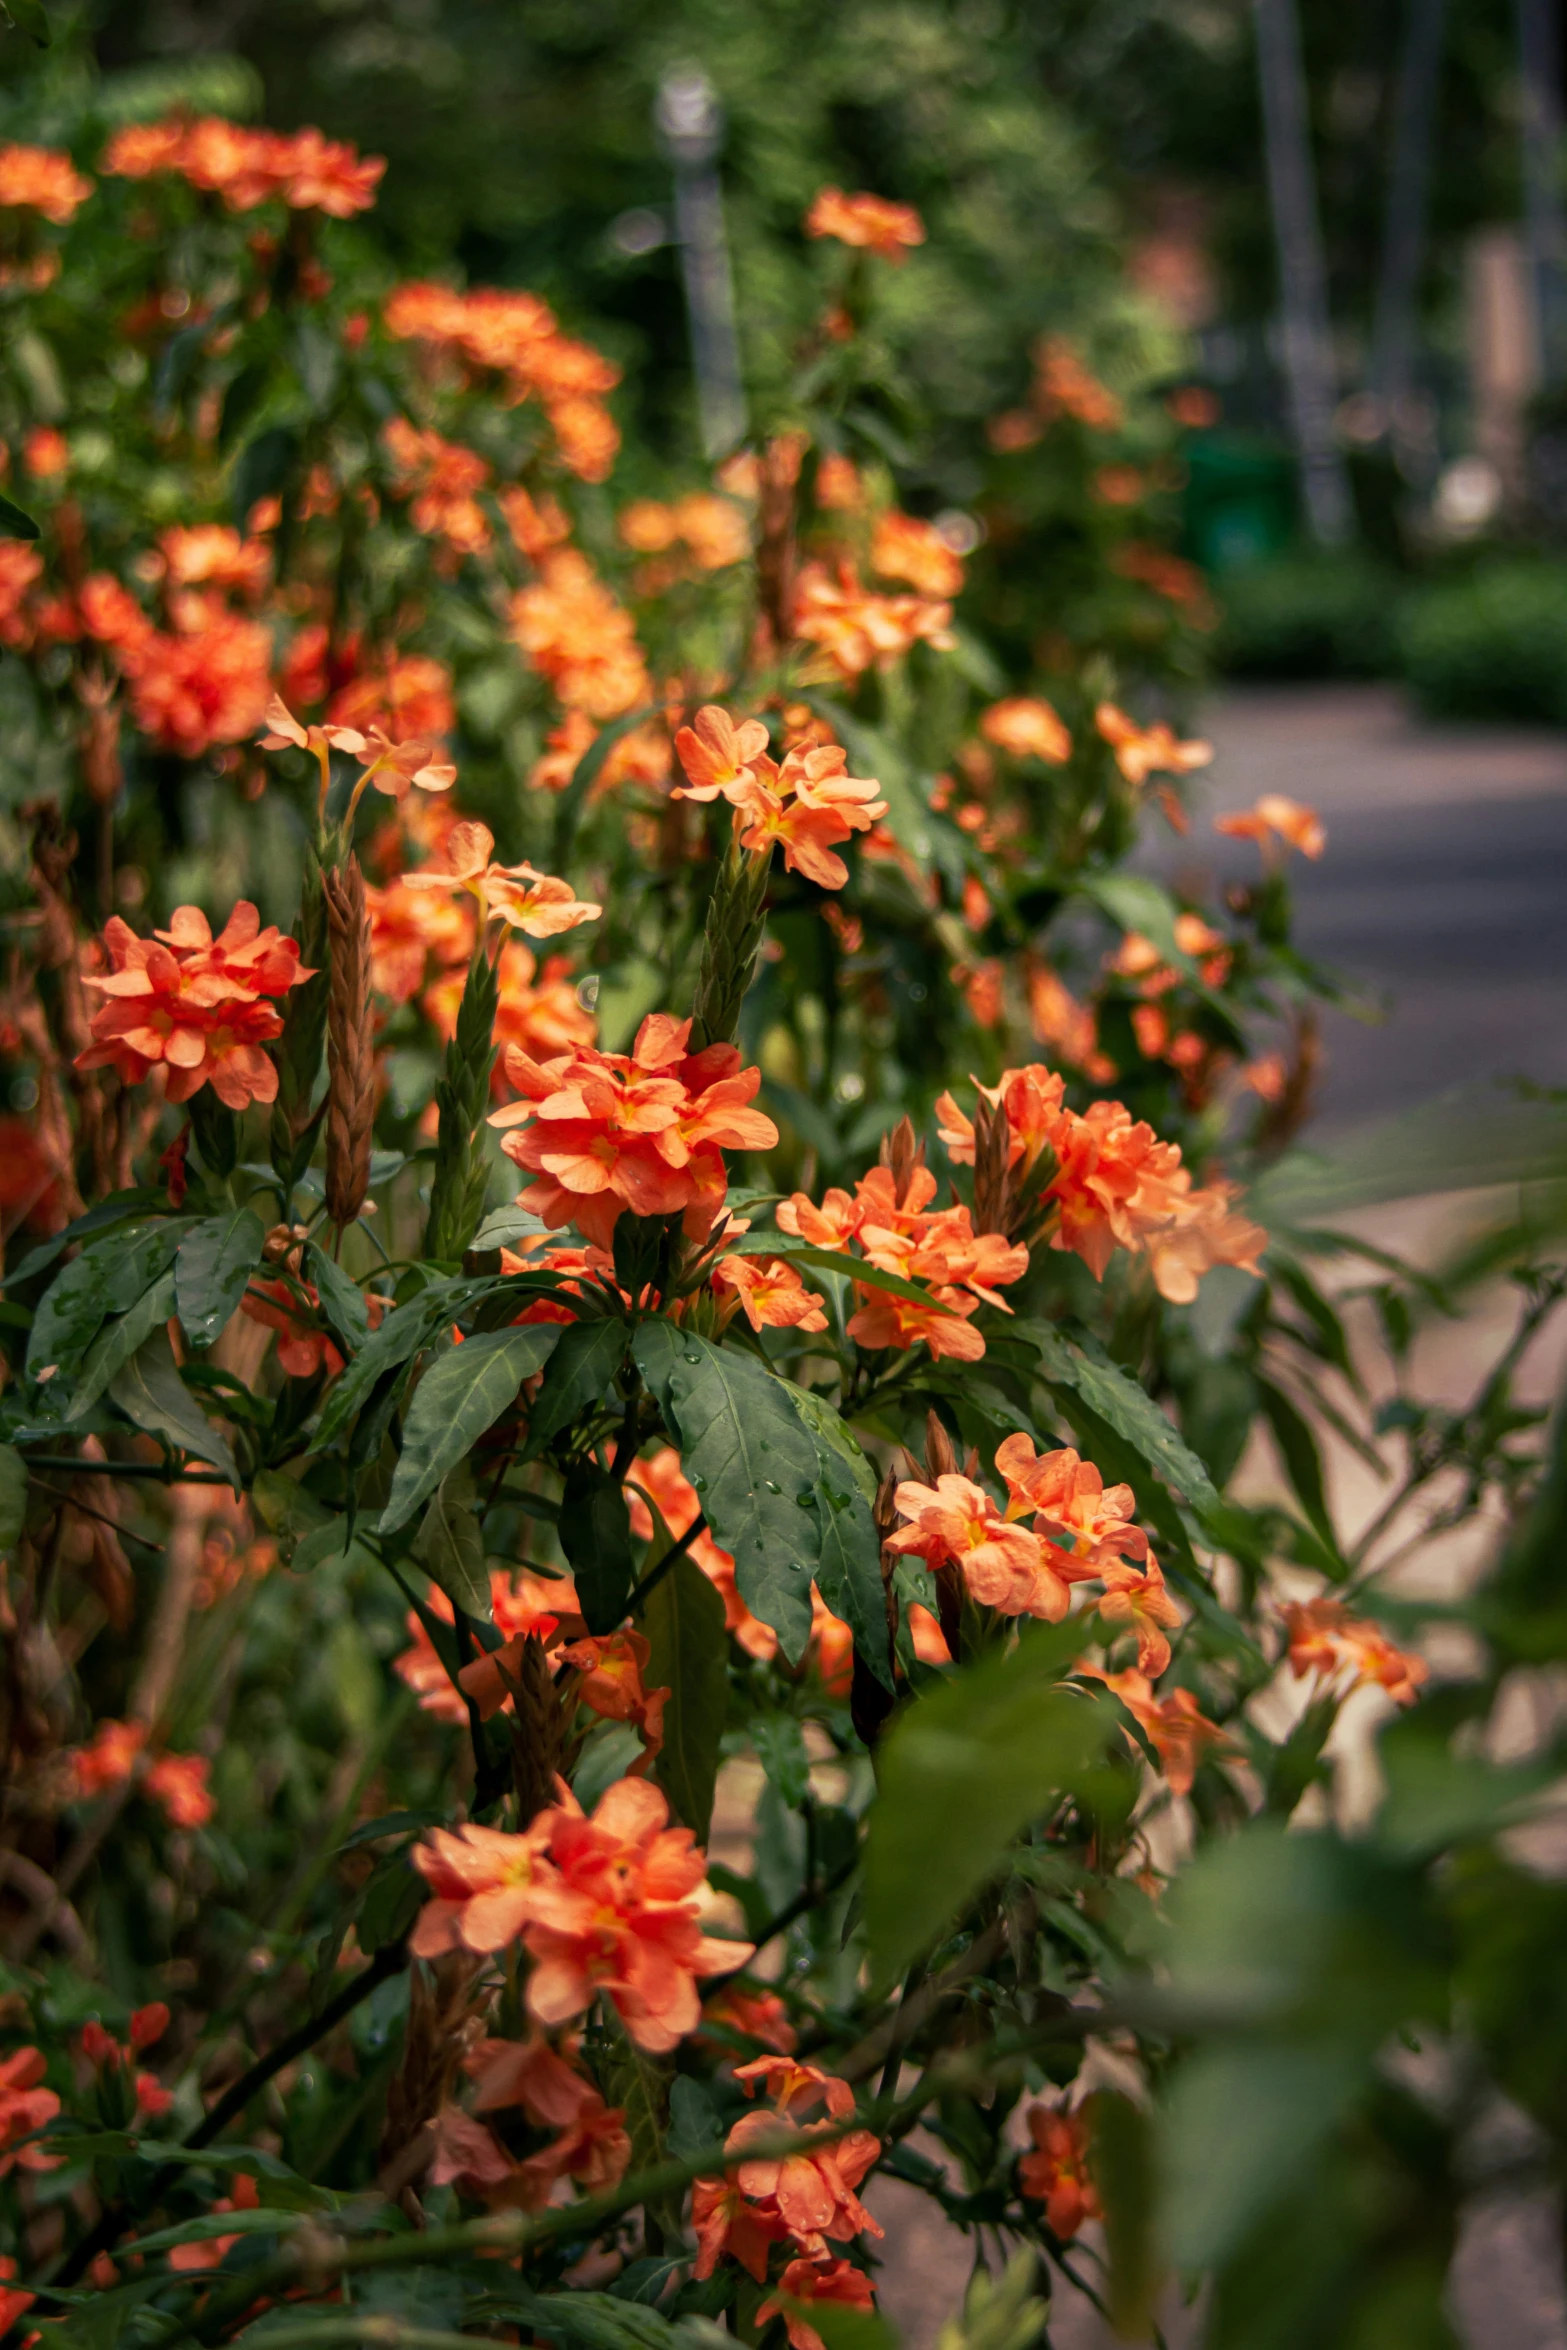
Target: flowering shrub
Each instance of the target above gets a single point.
(688, 1617)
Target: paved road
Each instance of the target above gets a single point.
(1442, 892)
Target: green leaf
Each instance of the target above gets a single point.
(581, 1370)
(118, 1208)
(595, 2321)
(780, 1748)
(451, 1548)
(1137, 902)
(214, 1263)
(463, 1392)
(683, 1618)
(13, 1496)
(595, 1533)
(1474, 1136)
(843, 2328)
(69, 1315)
(14, 524)
(1302, 1461)
(1083, 1365)
(848, 1566)
(150, 1391)
(400, 1337)
(342, 1300)
(960, 1775)
(753, 1464)
(115, 1346)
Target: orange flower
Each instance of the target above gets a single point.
(1003, 1565)
(871, 223)
(1166, 574)
(109, 1761)
(1087, 1518)
(1064, 1025)
(1176, 1726)
(645, 1131)
(613, 1669)
(179, 1783)
(407, 928)
(720, 757)
(535, 902)
(536, 525)
(856, 629)
(812, 2281)
(752, 2015)
(210, 554)
(536, 1604)
(206, 682)
(194, 1005)
(13, 2304)
(1140, 1603)
(515, 335)
(708, 531)
(1027, 728)
(771, 1292)
(1324, 1637)
(406, 693)
(1056, 2174)
(1277, 817)
(24, 2108)
(903, 547)
(580, 639)
(806, 2196)
(302, 1351)
(1063, 386)
(441, 478)
(42, 179)
(602, 1904)
(593, 2147)
(902, 1235)
(806, 805)
(21, 568)
(1141, 751)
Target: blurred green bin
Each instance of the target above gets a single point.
(1242, 501)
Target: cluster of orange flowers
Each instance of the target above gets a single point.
(25, 2107)
(1056, 2171)
(1141, 751)
(516, 337)
(1062, 387)
(1111, 1182)
(175, 1782)
(593, 2146)
(305, 169)
(872, 224)
(200, 682)
(1027, 728)
(702, 532)
(1325, 1637)
(602, 1905)
(805, 804)
(856, 628)
(805, 2199)
(898, 1231)
(441, 479)
(580, 638)
(1083, 1532)
(603, 1132)
(104, 2053)
(43, 180)
(195, 1006)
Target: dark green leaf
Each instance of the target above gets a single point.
(581, 1370)
(13, 1496)
(450, 1546)
(342, 1300)
(150, 1391)
(69, 1315)
(683, 1618)
(288, 1511)
(1302, 1461)
(960, 1775)
(214, 1263)
(14, 524)
(754, 1466)
(462, 1393)
(262, 468)
(848, 1566)
(116, 1209)
(1082, 1364)
(115, 1345)
(398, 1340)
(780, 1748)
(595, 1534)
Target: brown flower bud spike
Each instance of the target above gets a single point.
(350, 1116)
